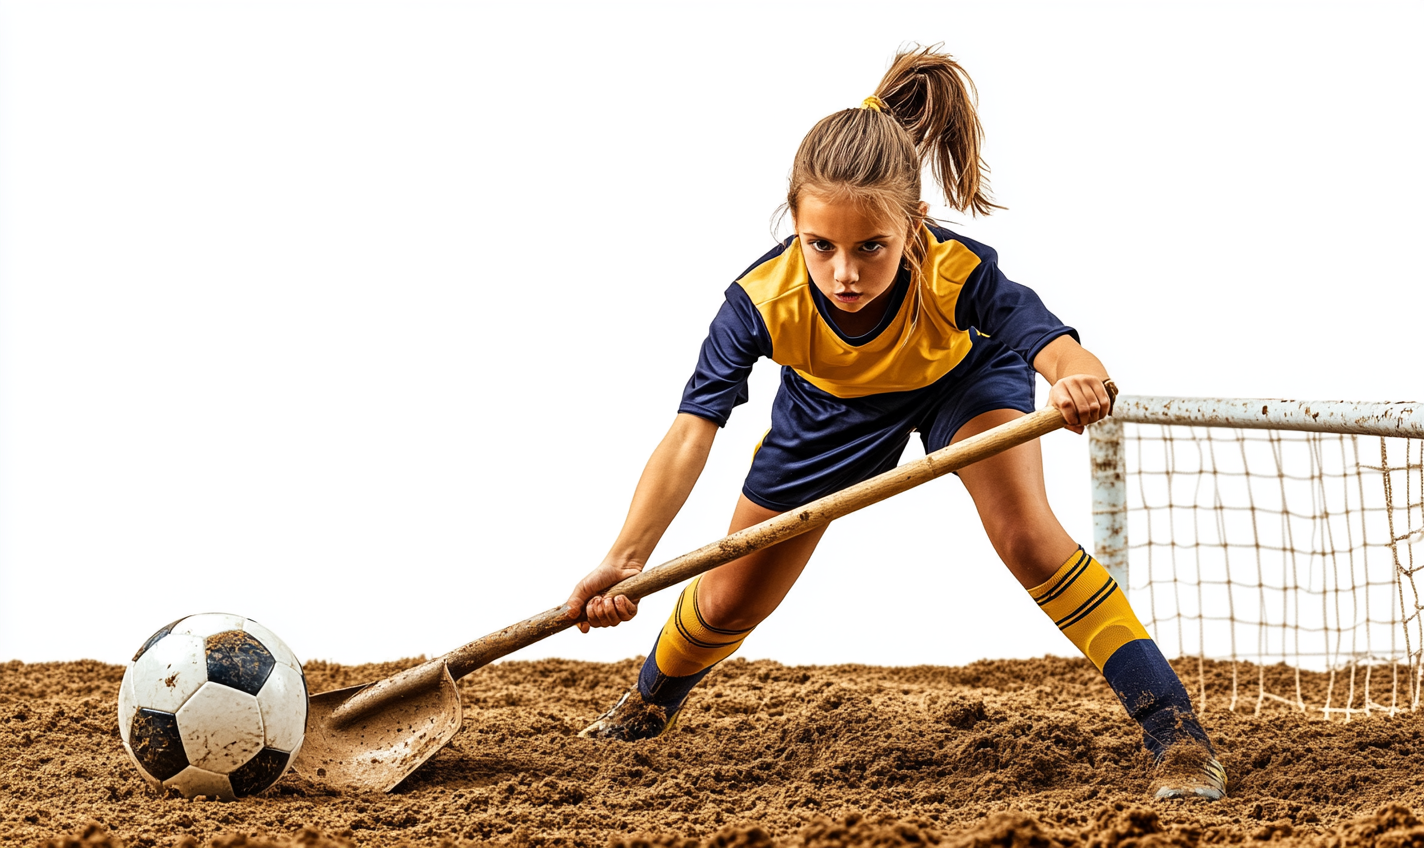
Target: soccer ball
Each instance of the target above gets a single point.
(214, 705)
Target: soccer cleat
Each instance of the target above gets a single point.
(1189, 771)
(631, 719)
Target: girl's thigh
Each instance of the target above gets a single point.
(742, 593)
(1012, 502)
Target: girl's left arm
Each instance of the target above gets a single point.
(1077, 379)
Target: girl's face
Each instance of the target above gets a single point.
(852, 257)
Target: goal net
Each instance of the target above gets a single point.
(1277, 536)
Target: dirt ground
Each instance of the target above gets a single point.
(1020, 754)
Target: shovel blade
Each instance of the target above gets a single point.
(384, 745)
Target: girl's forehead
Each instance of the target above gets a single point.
(842, 217)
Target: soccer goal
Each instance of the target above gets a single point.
(1278, 536)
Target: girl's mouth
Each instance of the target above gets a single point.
(847, 297)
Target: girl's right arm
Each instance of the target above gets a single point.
(666, 482)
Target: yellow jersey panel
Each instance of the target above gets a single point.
(920, 344)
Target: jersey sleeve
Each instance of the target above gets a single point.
(735, 341)
(1005, 311)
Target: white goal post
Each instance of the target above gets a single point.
(1271, 531)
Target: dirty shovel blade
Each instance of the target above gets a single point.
(379, 748)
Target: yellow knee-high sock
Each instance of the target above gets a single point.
(688, 644)
(1089, 607)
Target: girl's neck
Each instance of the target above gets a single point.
(861, 322)
(861, 327)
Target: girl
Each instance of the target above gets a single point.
(885, 323)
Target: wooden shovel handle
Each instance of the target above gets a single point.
(487, 649)
(483, 651)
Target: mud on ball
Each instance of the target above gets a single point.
(213, 704)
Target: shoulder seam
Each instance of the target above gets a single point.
(790, 292)
(771, 255)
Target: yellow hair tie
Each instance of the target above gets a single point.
(873, 103)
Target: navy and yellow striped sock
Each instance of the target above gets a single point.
(1092, 611)
(686, 650)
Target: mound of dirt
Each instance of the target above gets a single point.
(1019, 754)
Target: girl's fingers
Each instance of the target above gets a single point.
(626, 607)
(1099, 402)
(1089, 401)
(609, 612)
(600, 613)
(1083, 400)
(1064, 404)
(1068, 405)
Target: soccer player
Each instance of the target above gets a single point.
(885, 324)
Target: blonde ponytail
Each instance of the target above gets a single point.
(922, 111)
(934, 100)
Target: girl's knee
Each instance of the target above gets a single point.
(729, 614)
(1019, 532)
(1031, 547)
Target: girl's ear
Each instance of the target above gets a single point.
(920, 212)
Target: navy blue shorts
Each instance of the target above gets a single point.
(819, 443)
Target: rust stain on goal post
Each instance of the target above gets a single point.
(1105, 448)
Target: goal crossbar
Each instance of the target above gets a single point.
(1405, 420)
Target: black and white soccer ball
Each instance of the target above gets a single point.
(213, 704)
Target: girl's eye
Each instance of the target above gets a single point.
(872, 247)
(823, 246)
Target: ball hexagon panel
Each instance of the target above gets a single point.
(221, 728)
(128, 704)
(169, 672)
(279, 649)
(259, 772)
(283, 701)
(157, 744)
(237, 659)
(205, 624)
(193, 781)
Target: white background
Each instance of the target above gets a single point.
(361, 318)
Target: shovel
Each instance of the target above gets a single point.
(371, 737)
